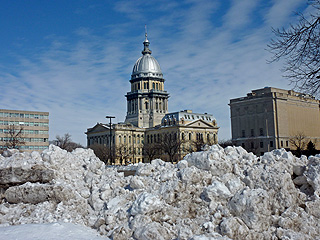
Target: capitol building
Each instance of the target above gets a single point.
(148, 124)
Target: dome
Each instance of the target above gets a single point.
(146, 65)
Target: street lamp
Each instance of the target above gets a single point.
(111, 155)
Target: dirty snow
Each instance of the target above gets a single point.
(215, 194)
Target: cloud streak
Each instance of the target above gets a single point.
(209, 52)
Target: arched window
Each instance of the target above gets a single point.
(119, 139)
(124, 139)
(189, 136)
(147, 105)
(153, 85)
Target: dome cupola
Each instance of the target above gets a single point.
(146, 65)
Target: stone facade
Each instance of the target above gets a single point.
(135, 140)
(268, 118)
(34, 127)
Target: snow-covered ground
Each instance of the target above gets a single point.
(49, 231)
(215, 194)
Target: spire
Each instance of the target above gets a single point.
(146, 43)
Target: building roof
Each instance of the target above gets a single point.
(186, 116)
(146, 65)
(272, 92)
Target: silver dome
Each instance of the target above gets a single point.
(146, 65)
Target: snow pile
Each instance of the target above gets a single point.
(215, 194)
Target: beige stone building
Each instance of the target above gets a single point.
(268, 118)
(148, 121)
(34, 127)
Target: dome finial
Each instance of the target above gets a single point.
(146, 32)
(146, 43)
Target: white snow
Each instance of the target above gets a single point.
(215, 194)
(49, 231)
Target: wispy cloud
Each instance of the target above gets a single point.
(205, 61)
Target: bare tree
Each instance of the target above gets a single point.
(199, 144)
(65, 142)
(151, 150)
(103, 152)
(300, 47)
(170, 145)
(225, 143)
(299, 141)
(122, 153)
(252, 145)
(14, 135)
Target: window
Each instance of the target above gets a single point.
(252, 145)
(287, 143)
(189, 136)
(252, 133)
(271, 143)
(261, 131)
(261, 144)
(243, 133)
(281, 143)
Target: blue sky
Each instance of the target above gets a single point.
(74, 58)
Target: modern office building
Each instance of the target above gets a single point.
(148, 121)
(269, 118)
(33, 127)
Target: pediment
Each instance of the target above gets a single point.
(199, 124)
(99, 127)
